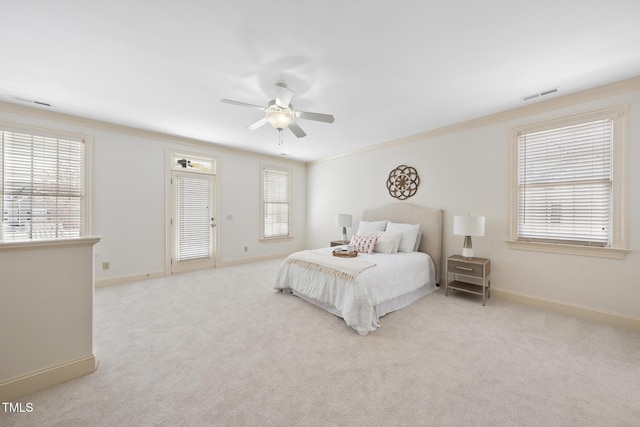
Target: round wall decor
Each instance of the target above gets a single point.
(403, 182)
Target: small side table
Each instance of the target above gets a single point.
(339, 243)
(460, 268)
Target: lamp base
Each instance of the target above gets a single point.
(467, 248)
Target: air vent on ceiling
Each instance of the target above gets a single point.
(539, 94)
(32, 101)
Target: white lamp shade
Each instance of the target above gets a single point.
(344, 220)
(467, 225)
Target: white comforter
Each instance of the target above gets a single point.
(394, 275)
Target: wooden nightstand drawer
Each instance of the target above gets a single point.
(463, 267)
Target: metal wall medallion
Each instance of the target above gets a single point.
(403, 182)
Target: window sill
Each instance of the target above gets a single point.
(275, 239)
(593, 251)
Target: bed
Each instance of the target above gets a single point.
(361, 290)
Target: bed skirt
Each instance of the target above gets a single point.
(385, 307)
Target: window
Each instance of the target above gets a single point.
(42, 185)
(275, 202)
(569, 183)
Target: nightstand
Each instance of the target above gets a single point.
(469, 275)
(339, 243)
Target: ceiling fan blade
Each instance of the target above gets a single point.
(297, 130)
(255, 125)
(283, 95)
(318, 117)
(242, 104)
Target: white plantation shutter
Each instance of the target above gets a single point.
(565, 184)
(275, 201)
(194, 217)
(43, 194)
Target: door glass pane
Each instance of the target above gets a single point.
(194, 217)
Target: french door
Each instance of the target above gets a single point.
(193, 221)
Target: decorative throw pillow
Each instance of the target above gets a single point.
(364, 244)
(388, 243)
(409, 235)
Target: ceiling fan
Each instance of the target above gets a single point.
(280, 113)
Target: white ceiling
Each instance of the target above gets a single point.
(384, 69)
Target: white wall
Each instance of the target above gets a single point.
(466, 169)
(128, 190)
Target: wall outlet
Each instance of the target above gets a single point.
(106, 265)
(246, 248)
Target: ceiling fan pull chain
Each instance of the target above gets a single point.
(281, 138)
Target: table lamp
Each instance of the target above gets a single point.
(344, 221)
(467, 226)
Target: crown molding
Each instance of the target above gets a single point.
(38, 113)
(587, 95)
(612, 89)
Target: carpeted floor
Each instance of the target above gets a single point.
(221, 347)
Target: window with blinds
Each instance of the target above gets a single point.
(275, 202)
(42, 185)
(565, 183)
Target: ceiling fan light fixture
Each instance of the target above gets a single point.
(280, 113)
(279, 117)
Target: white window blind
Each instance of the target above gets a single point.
(42, 186)
(275, 201)
(565, 184)
(194, 217)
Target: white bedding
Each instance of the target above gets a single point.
(356, 301)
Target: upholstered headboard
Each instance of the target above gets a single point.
(430, 221)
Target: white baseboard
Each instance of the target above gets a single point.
(100, 283)
(128, 279)
(574, 310)
(36, 381)
(240, 261)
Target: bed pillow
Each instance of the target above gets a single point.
(365, 226)
(416, 248)
(388, 243)
(364, 244)
(409, 235)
